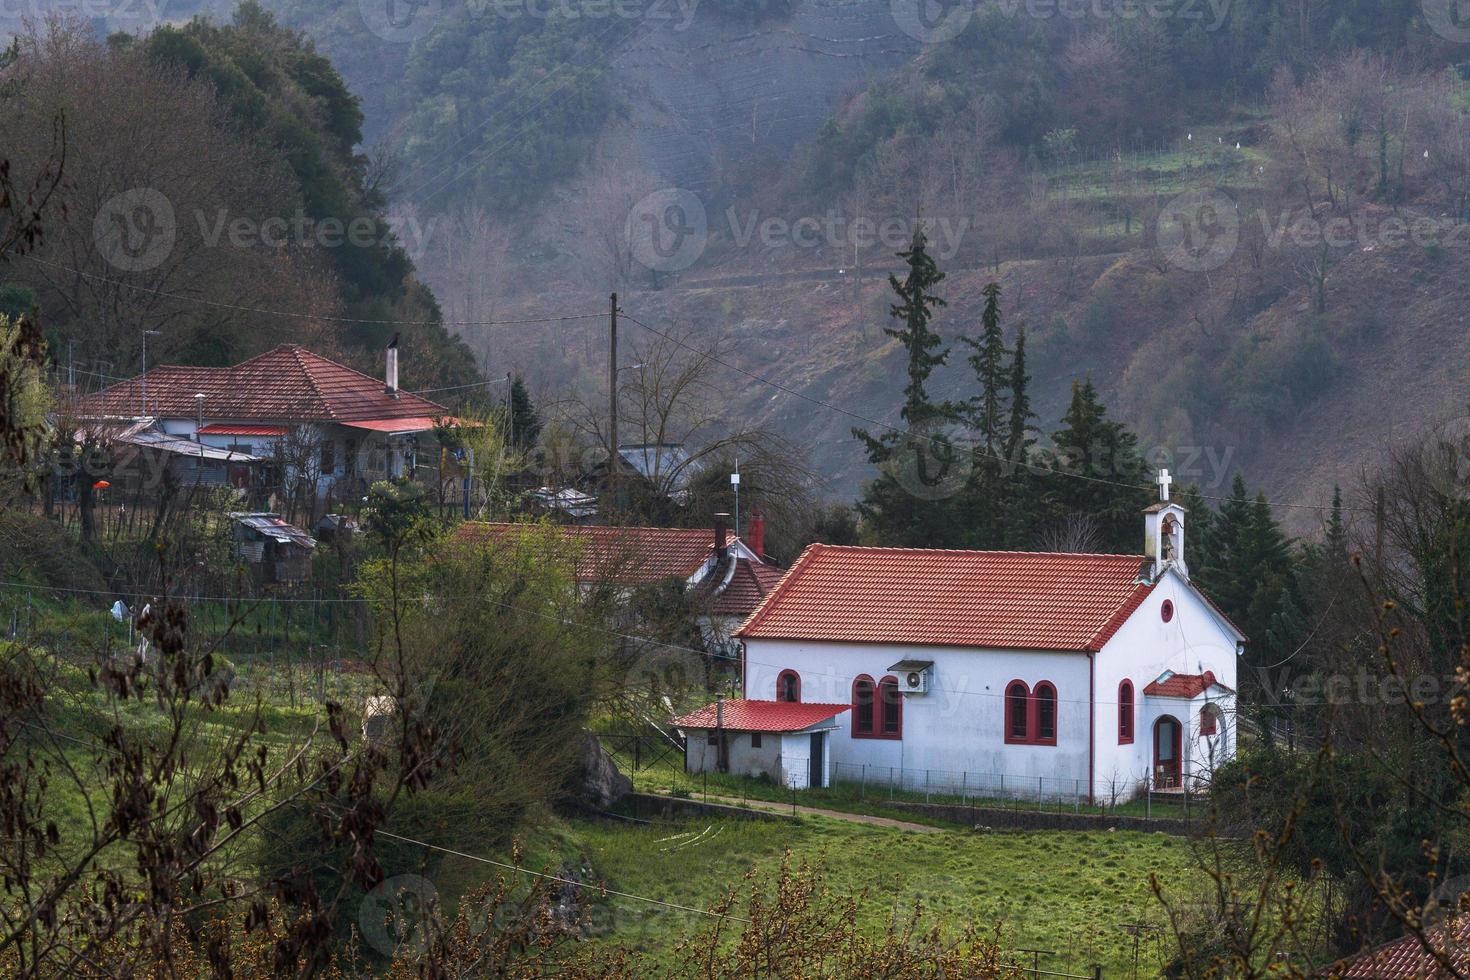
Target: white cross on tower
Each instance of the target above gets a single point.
(1165, 481)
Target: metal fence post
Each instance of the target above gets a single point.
(863, 783)
(890, 783)
(927, 772)
(1038, 792)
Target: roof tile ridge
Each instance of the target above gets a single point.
(1127, 608)
(797, 569)
(296, 350)
(891, 549)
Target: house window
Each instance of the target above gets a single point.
(755, 740)
(1046, 713)
(788, 686)
(711, 738)
(1125, 713)
(1018, 701)
(891, 702)
(329, 457)
(862, 707)
(1031, 715)
(1208, 717)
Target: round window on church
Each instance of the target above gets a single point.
(1167, 610)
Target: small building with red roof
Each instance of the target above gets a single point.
(287, 408)
(780, 740)
(1077, 676)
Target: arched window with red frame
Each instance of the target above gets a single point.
(1018, 711)
(788, 686)
(891, 703)
(863, 697)
(1045, 698)
(1209, 720)
(1125, 713)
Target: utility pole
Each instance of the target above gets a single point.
(612, 394)
(143, 378)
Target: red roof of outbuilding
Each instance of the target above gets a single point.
(1407, 959)
(629, 555)
(1182, 685)
(743, 715)
(993, 599)
(286, 383)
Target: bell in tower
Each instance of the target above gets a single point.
(1163, 531)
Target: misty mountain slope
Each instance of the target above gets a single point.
(707, 92)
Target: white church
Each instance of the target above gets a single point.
(1011, 673)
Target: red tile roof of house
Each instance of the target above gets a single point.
(1407, 959)
(1182, 685)
(288, 383)
(751, 582)
(221, 429)
(742, 715)
(992, 599)
(627, 555)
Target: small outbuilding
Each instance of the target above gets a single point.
(276, 551)
(786, 742)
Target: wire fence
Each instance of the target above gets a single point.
(1140, 797)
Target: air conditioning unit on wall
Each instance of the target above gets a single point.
(914, 676)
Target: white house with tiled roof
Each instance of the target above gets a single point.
(333, 424)
(1061, 675)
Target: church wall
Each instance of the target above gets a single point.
(1191, 643)
(958, 727)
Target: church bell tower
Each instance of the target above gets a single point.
(1163, 531)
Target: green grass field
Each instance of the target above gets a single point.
(1064, 892)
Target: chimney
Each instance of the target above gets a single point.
(390, 380)
(722, 534)
(756, 533)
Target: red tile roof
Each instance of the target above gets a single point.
(1407, 959)
(742, 715)
(627, 555)
(220, 429)
(1182, 685)
(994, 599)
(751, 583)
(288, 383)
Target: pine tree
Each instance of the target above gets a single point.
(915, 310)
(525, 424)
(1099, 473)
(988, 359)
(897, 506)
(984, 503)
(1020, 432)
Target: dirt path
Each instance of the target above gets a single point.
(812, 811)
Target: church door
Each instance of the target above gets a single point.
(1167, 738)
